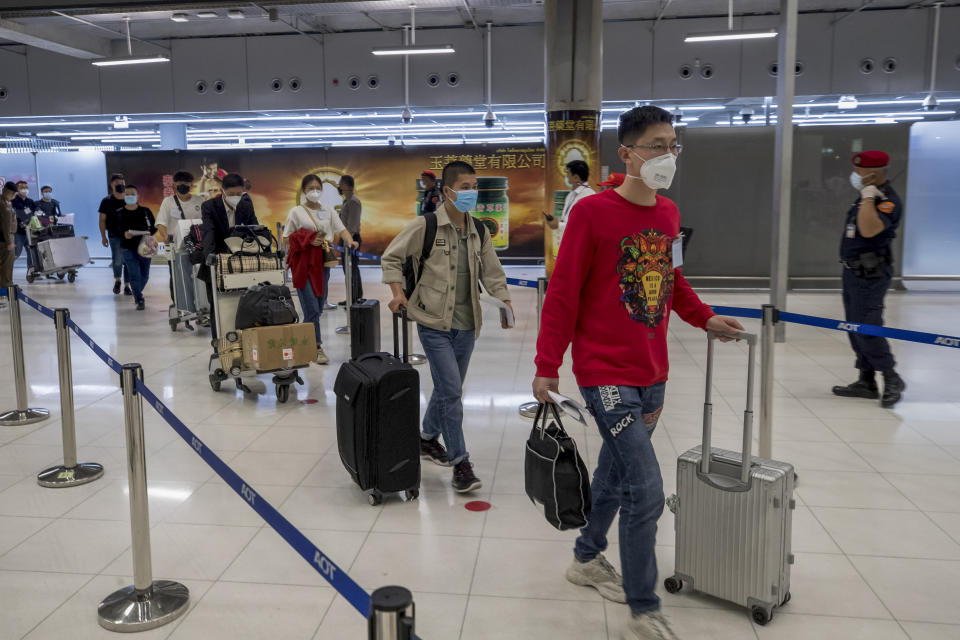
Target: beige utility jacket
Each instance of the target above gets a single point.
(432, 302)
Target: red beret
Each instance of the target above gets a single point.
(614, 180)
(870, 159)
(429, 174)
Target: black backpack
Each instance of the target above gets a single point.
(412, 276)
(265, 305)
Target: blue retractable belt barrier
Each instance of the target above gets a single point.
(522, 282)
(47, 311)
(344, 584)
(360, 254)
(97, 350)
(850, 327)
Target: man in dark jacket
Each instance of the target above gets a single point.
(24, 208)
(221, 214)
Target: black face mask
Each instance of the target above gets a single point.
(339, 190)
(120, 188)
(183, 189)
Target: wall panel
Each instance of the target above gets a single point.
(695, 70)
(518, 64)
(292, 63)
(348, 58)
(209, 61)
(459, 76)
(813, 55)
(144, 88)
(948, 58)
(627, 60)
(873, 37)
(61, 85)
(15, 100)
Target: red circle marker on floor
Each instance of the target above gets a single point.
(309, 401)
(477, 505)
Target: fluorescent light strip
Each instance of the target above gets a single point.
(116, 62)
(731, 35)
(413, 50)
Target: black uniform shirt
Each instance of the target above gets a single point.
(24, 208)
(889, 208)
(111, 206)
(51, 209)
(431, 197)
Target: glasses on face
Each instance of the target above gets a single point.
(659, 149)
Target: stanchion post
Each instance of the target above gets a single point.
(529, 409)
(348, 275)
(392, 614)
(770, 318)
(22, 415)
(70, 473)
(147, 603)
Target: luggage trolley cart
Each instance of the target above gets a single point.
(56, 251)
(190, 303)
(233, 275)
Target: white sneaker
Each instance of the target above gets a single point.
(322, 357)
(652, 625)
(599, 574)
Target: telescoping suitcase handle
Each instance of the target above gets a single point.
(400, 318)
(751, 340)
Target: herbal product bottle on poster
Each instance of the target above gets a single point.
(493, 209)
(559, 200)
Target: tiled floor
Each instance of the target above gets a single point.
(876, 532)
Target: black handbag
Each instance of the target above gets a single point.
(554, 474)
(265, 305)
(251, 239)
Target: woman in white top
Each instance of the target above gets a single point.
(314, 216)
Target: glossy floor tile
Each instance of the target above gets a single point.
(876, 530)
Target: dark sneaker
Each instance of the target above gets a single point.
(463, 479)
(893, 388)
(433, 450)
(127, 291)
(860, 389)
(116, 287)
(141, 305)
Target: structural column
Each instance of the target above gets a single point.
(783, 160)
(573, 80)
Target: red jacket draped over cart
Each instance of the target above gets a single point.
(305, 260)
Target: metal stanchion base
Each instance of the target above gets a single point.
(16, 417)
(343, 330)
(56, 477)
(130, 610)
(529, 410)
(417, 359)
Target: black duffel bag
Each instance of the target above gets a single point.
(251, 240)
(554, 473)
(265, 305)
(53, 232)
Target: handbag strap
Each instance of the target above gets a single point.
(314, 219)
(542, 417)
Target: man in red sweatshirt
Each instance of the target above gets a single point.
(614, 284)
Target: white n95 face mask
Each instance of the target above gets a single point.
(314, 195)
(233, 201)
(657, 173)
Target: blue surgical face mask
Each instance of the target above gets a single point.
(466, 200)
(48, 194)
(130, 199)
(856, 180)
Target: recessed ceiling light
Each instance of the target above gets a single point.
(207, 14)
(179, 17)
(235, 14)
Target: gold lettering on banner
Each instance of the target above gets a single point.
(436, 163)
(494, 162)
(540, 160)
(479, 162)
(509, 161)
(467, 159)
(448, 159)
(524, 162)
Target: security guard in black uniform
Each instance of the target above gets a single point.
(867, 260)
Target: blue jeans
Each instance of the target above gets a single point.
(312, 305)
(627, 478)
(138, 268)
(118, 260)
(448, 353)
(19, 242)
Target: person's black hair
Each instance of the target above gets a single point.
(307, 179)
(347, 180)
(130, 186)
(10, 185)
(579, 168)
(115, 177)
(232, 180)
(183, 176)
(46, 186)
(634, 123)
(453, 171)
(20, 182)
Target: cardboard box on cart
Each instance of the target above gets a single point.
(279, 347)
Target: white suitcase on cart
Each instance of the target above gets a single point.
(63, 253)
(733, 523)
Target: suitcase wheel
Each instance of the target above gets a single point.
(60, 275)
(215, 382)
(374, 498)
(32, 276)
(673, 584)
(760, 615)
(412, 494)
(173, 324)
(283, 392)
(72, 276)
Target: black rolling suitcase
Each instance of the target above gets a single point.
(378, 421)
(364, 327)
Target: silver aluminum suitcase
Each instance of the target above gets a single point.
(63, 253)
(184, 287)
(733, 523)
